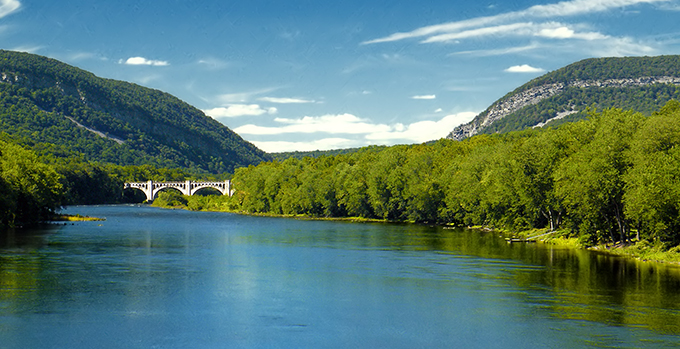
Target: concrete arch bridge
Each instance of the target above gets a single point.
(151, 188)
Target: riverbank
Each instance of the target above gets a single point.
(74, 218)
(640, 250)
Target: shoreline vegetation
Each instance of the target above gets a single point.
(638, 250)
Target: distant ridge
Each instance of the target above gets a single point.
(643, 84)
(65, 110)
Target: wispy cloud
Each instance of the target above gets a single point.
(543, 26)
(548, 30)
(213, 63)
(285, 100)
(424, 97)
(143, 61)
(524, 68)
(145, 79)
(28, 49)
(243, 97)
(236, 110)
(499, 51)
(7, 7)
(488, 24)
(334, 124)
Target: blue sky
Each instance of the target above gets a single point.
(307, 75)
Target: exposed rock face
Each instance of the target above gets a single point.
(508, 105)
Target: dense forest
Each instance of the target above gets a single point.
(610, 178)
(312, 154)
(29, 189)
(46, 103)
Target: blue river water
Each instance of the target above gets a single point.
(155, 278)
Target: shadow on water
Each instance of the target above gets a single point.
(583, 285)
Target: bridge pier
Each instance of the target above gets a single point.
(189, 188)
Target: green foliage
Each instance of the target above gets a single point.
(30, 190)
(312, 154)
(652, 194)
(170, 198)
(603, 179)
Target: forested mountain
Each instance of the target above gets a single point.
(66, 111)
(642, 84)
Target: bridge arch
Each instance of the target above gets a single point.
(189, 188)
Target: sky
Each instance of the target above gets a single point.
(302, 75)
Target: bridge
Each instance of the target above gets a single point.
(151, 188)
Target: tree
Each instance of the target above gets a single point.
(33, 189)
(591, 180)
(652, 195)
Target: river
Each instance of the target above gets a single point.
(155, 278)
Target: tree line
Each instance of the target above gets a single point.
(610, 178)
(36, 182)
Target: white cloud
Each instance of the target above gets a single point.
(143, 61)
(563, 32)
(524, 68)
(236, 110)
(556, 33)
(356, 131)
(422, 131)
(424, 97)
(7, 7)
(439, 110)
(285, 100)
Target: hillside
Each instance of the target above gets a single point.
(642, 84)
(67, 111)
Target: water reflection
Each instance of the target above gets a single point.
(173, 278)
(583, 285)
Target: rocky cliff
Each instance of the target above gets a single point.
(574, 79)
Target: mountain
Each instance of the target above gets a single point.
(64, 110)
(642, 84)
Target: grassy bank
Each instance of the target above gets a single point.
(74, 218)
(640, 250)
